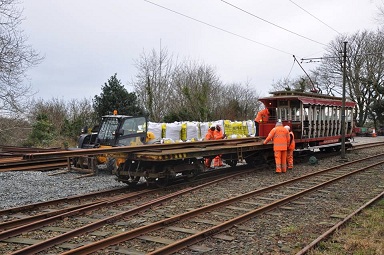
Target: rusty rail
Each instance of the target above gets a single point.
(131, 149)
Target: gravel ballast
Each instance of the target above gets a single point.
(21, 188)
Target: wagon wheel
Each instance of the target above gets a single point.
(199, 167)
(251, 162)
(232, 162)
(133, 179)
(162, 182)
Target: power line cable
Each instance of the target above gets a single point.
(218, 28)
(289, 74)
(273, 24)
(314, 16)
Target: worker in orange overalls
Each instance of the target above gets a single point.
(209, 136)
(280, 137)
(291, 148)
(262, 116)
(218, 134)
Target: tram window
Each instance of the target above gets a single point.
(282, 113)
(327, 113)
(317, 112)
(349, 114)
(272, 114)
(298, 116)
(337, 113)
(292, 113)
(306, 113)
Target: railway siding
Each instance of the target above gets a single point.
(334, 201)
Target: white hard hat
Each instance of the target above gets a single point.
(287, 128)
(212, 126)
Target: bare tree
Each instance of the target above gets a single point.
(301, 83)
(364, 70)
(55, 109)
(239, 102)
(16, 56)
(189, 91)
(196, 87)
(152, 84)
(66, 119)
(380, 14)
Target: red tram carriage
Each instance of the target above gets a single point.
(315, 119)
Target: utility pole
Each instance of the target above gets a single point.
(343, 104)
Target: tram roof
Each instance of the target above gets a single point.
(307, 98)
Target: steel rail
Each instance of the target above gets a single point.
(338, 225)
(24, 221)
(39, 167)
(180, 244)
(138, 148)
(34, 218)
(52, 216)
(25, 165)
(62, 200)
(95, 225)
(93, 247)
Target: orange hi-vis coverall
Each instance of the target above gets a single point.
(291, 148)
(262, 116)
(209, 136)
(217, 161)
(280, 137)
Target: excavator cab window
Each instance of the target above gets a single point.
(107, 130)
(132, 132)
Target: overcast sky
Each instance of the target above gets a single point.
(85, 42)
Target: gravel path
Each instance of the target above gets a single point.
(20, 188)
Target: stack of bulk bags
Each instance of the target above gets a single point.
(244, 129)
(156, 129)
(228, 128)
(192, 131)
(251, 128)
(173, 131)
(236, 129)
(204, 126)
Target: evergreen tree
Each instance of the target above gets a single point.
(115, 97)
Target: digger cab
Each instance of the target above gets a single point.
(116, 130)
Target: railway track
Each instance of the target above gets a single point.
(156, 226)
(14, 151)
(33, 216)
(11, 159)
(19, 164)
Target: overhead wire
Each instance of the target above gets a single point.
(314, 16)
(289, 74)
(273, 24)
(216, 27)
